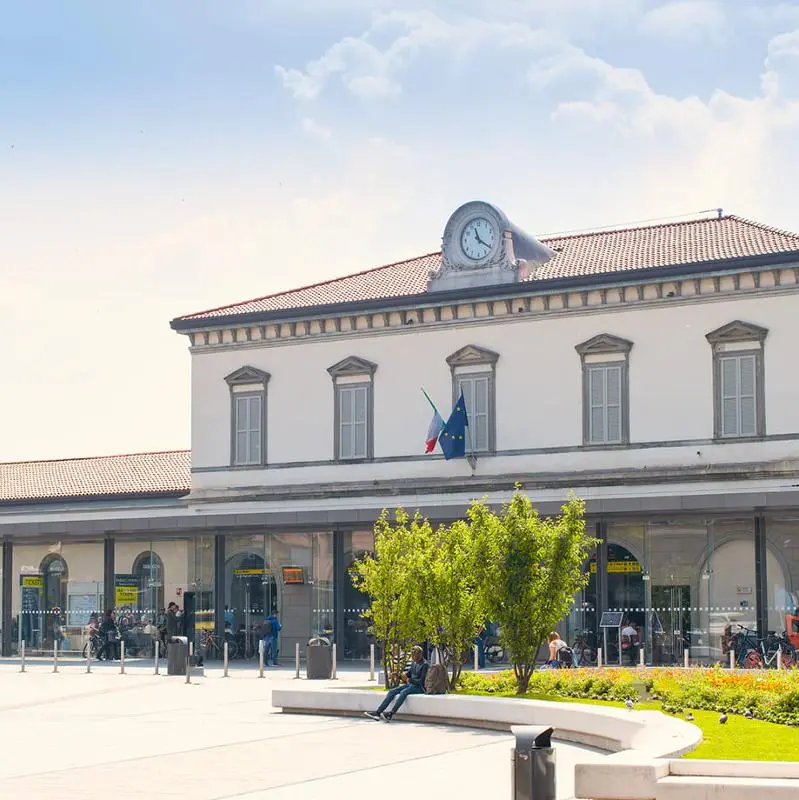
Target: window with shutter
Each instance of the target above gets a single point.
(605, 385)
(248, 431)
(353, 422)
(738, 390)
(476, 394)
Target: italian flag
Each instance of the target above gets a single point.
(435, 427)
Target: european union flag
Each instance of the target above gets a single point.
(453, 436)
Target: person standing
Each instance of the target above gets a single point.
(272, 628)
(174, 622)
(412, 683)
(109, 635)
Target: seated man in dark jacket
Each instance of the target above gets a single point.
(412, 683)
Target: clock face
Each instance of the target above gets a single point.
(478, 238)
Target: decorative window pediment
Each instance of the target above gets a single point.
(247, 375)
(604, 343)
(737, 331)
(352, 365)
(471, 355)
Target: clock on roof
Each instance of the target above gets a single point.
(481, 247)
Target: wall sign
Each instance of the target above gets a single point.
(293, 575)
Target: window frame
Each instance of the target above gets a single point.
(602, 352)
(734, 340)
(473, 361)
(247, 382)
(351, 373)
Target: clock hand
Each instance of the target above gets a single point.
(479, 240)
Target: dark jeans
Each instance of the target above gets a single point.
(400, 692)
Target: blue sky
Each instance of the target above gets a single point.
(160, 158)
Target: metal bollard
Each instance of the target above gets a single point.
(685, 657)
(188, 664)
(333, 671)
(372, 662)
(55, 656)
(121, 657)
(779, 658)
(156, 646)
(224, 661)
(641, 658)
(599, 658)
(732, 658)
(89, 656)
(296, 660)
(261, 658)
(22, 656)
(476, 658)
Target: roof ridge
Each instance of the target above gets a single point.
(93, 458)
(310, 285)
(762, 226)
(672, 224)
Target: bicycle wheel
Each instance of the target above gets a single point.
(232, 650)
(788, 657)
(753, 660)
(86, 650)
(495, 653)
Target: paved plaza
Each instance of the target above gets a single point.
(99, 735)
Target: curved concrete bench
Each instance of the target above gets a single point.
(647, 733)
(641, 744)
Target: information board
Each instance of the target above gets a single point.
(293, 575)
(611, 619)
(127, 589)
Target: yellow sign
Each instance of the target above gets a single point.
(245, 572)
(127, 596)
(619, 566)
(33, 581)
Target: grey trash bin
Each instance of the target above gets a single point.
(319, 659)
(533, 763)
(176, 654)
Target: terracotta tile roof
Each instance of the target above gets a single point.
(136, 475)
(594, 253)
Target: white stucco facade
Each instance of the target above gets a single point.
(539, 395)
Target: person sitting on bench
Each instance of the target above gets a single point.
(413, 680)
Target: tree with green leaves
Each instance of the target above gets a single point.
(389, 578)
(451, 605)
(528, 571)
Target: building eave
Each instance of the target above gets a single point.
(509, 291)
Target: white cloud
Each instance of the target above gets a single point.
(369, 71)
(316, 130)
(687, 19)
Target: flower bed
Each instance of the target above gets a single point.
(771, 696)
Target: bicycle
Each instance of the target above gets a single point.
(215, 649)
(95, 643)
(585, 655)
(755, 653)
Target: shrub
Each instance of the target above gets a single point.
(770, 696)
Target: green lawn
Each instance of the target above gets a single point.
(740, 739)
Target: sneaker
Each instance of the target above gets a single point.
(386, 716)
(371, 715)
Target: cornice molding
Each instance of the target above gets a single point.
(459, 312)
(604, 343)
(737, 331)
(352, 365)
(246, 375)
(471, 355)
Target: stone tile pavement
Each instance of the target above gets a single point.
(100, 735)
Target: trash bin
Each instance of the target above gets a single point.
(319, 659)
(177, 651)
(533, 763)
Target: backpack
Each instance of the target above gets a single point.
(267, 628)
(436, 681)
(565, 657)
